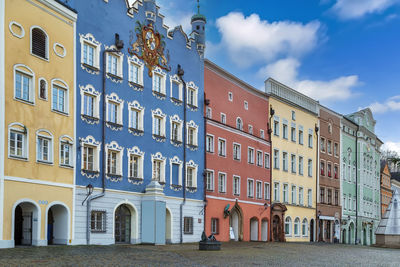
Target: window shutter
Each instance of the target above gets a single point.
(39, 43)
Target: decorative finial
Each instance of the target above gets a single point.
(198, 6)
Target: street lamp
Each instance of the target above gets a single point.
(89, 191)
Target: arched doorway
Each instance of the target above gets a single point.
(264, 230)
(371, 238)
(168, 227)
(320, 230)
(344, 239)
(351, 233)
(312, 230)
(57, 225)
(277, 229)
(122, 224)
(26, 224)
(336, 237)
(253, 229)
(236, 222)
(364, 236)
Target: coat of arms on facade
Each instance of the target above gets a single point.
(149, 47)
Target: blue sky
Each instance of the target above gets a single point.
(344, 53)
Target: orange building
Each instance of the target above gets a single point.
(386, 191)
(237, 158)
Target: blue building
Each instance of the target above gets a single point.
(136, 181)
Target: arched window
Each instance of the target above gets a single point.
(44, 146)
(297, 227)
(17, 141)
(42, 89)
(60, 96)
(66, 151)
(239, 124)
(288, 226)
(305, 227)
(24, 83)
(39, 43)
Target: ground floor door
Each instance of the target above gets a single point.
(234, 224)
(254, 229)
(277, 229)
(312, 230)
(50, 228)
(122, 225)
(264, 230)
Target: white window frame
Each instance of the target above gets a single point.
(45, 134)
(193, 166)
(250, 129)
(285, 193)
(210, 183)
(191, 86)
(239, 123)
(175, 120)
(276, 159)
(310, 138)
(267, 160)
(174, 79)
(223, 189)
(159, 114)
(259, 188)
(250, 187)
(177, 161)
(230, 96)
(114, 147)
(135, 106)
(285, 130)
(135, 151)
(135, 61)
(246, 105)
(90, 141)
(309, 197)
(47, 58)
(19, 128)
(208, 112)
(276, 126)
(62, 86)
(25, 70)
(259, 158)
(304, 226)
(91, 91)
(267, 193)
(221, 153)
(113, 97)
(301, 196)
(293, 194)
(277, 194)
(298, 224)
(285, 161)
(163, 78)
(158, 157)
(310, 168)
(210, 145)
(301, 135)
(89, 39)
(235, 178)
(262, 134)
(250, 155)
(293, 163)
(120, 60)
(66, 140)
(237, 155)
(192, 126)
(223, 118)
(289, 222)
(301, 165)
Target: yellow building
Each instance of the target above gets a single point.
(294, 159)
(37, 52)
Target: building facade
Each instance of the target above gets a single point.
(386, 188)
(140, 125)
(329, 206)
(37, 119)
(294, 121)
(237, 158)
(395, 181)
(348, 180)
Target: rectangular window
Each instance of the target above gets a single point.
(112, 62)
(330, 196)
(223, 118)
(322, 195)
(65, 154)
(192, 136)
(250, 188)
(310, 140)
(209, 112)
(276, 159)
(322, 144)
(250, 129)
(293, 134)
(276, 128)
(259, 189)
(329, 170)
(293, 163)
(285, 131)
(294, 194)
(336, 149)
(43, 149)
(214, 226)
(157, 83)
(88, 54)
(17, 144)
(266, 191)
(210, 181)
(222, 182)
(221, 147)
(266, 161)
(301, 196)
(262, 134)
(236, 151)
(322, 167)
(192, 97)
(335, 172)
(310, 168)
(134, 166)
(301, 137)
(134, 73)
(112, 112)
(188, 226)
(259, 158)
(309, 197)
(88, 158)
(285, 193)
(336, 198)
(250, 155)
(157, 170)
(112, 162)
(276, 192)
(135, 119)
(157, 124)
(301, 172)
(98, 221)
(23, 85)
(210, 143)
(329, 147)
(190, 177)
(236, 185)
(59, 99)
(285, 161)
(88, 105)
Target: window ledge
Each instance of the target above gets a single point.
(90, 117)
(66, 166)
(176, 100)
(135, 130)
(44, 162)
(135, 178)
(24, 101)
(98, 231)
(90, 171)
(176, 142)
(222, 155)
(114, 124)
(159, 94)
(236, 159)
(192, 146)
(114, 76)
(90, 67)
(39, 57)
(159, 136)
(192, 106)
(176, 186)
(59, 112)
(17, 158)
(114, 175)
(136, 84)
(191, 188)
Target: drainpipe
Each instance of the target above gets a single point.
(206, 102)
(271, 113)
(316, 187)
(358, 128)
(180, 74)
(119, 44)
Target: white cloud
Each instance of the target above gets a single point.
(175, 14)
(391, 146)
(286, 71)
(392, 104)
(250, 40)
(353, 9)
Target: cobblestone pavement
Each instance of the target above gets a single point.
(232, 254)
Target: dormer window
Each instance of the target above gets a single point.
(39, 43)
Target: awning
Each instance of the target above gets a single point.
(327, 218)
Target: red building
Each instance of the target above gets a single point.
(237, 158)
